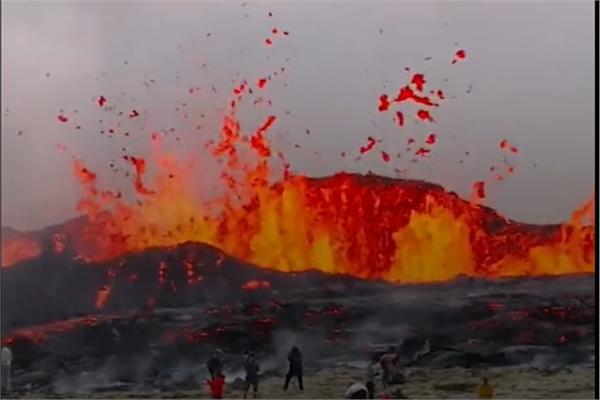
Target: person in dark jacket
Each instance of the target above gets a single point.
(215, 364)
(295, 368)
(252, 368)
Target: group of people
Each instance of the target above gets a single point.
(216, 383)
(389, 363)
(391, 374)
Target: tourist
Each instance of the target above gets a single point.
(252, 368)
(295, 368)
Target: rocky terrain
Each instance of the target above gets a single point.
(129, 329)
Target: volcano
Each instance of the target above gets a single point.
(367, 226)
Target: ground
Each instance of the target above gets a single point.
(575, 382)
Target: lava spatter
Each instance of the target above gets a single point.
(369, 146)
(418, 80)
(460, 55)
(102, 101)
(506, 145)
(407, 94)
(400, 118)
(422, 151)
(258, 142)
(384, 103)
(139, 165)
(424, 115)
(479, 190)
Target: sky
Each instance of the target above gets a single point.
(528, 78)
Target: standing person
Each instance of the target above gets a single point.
(371, 374)
(485, 390)
(252, 368)
(295, 368)
(387, 362)
(6, 359)
(216, 385)
(215, 364)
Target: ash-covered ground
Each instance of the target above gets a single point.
(149, 321)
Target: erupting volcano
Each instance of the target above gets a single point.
(365, 226)
(199, 211)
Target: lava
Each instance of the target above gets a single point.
(365, 226)
(369, 146)
(384, 103)
(253, 285)
(431, 138)
(419, 81)
(460, 55)
(369, 227)
(424, 115)
(400, 118)
(479, 190)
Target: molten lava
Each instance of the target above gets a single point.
(365, 226)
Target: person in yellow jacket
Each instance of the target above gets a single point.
(485, 390)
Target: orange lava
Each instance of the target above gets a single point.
(365, 226)
(253, 285)
(369, 227)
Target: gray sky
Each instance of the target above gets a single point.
(530, 67)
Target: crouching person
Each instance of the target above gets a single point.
(357, 391)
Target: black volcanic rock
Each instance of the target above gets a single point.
(58, 287)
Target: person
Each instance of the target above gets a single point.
(215, 364)
(371, 374)
(252, 368)
(485, 390)
(357, 391)
(6, 359)
(216, 385)
(295, 368)
(387, 362)
(390, 364)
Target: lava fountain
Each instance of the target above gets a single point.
(366, 226)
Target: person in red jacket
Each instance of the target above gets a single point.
(216, 385)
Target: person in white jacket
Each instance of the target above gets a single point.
(357, 391)
(6, 360)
